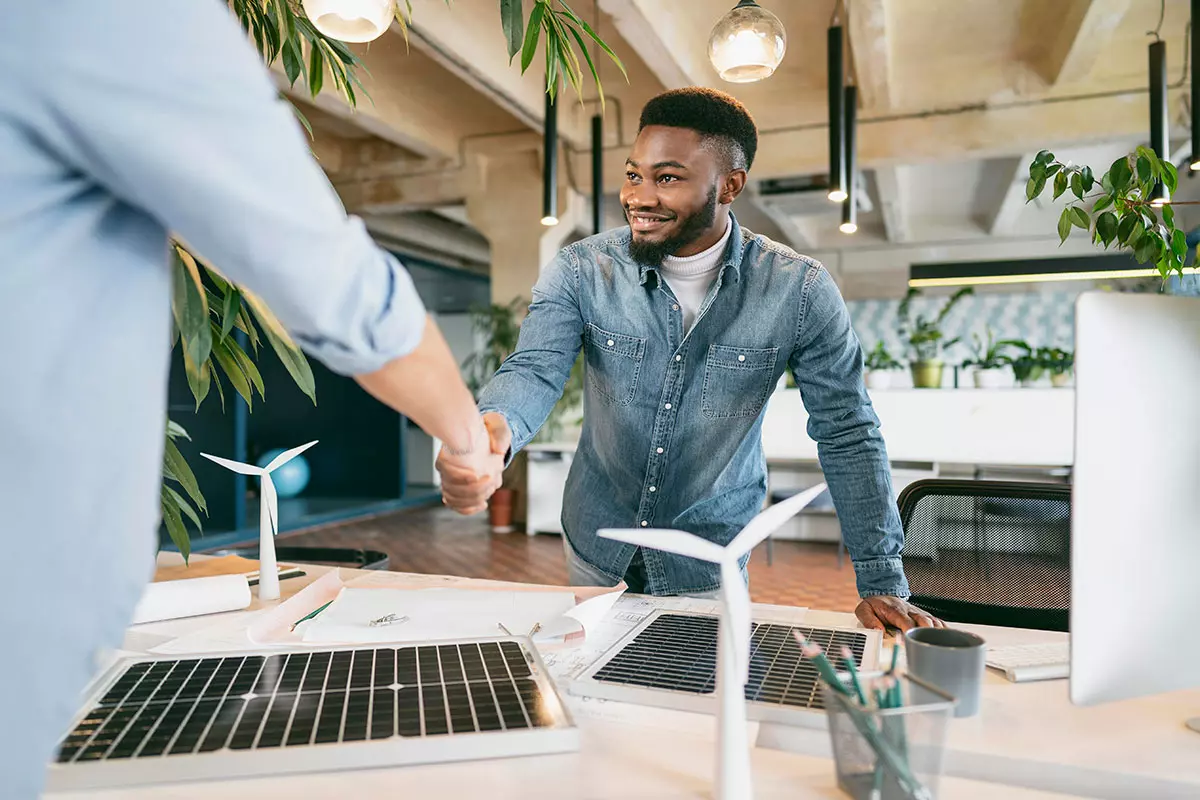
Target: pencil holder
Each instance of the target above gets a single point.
(888, 753)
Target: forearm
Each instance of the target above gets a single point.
(426, 386)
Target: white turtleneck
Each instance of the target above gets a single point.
(689, 277)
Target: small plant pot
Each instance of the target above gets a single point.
(1061, 379)
(879, 379)
(992, 379)
(927, 374)
(500, 511)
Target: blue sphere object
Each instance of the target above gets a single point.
(291, 478)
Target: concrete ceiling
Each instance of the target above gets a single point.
(956, 97)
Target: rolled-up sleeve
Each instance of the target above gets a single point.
(171, 110)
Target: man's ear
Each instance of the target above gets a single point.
(732, 186)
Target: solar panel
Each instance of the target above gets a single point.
(670, 660)
(220, 716)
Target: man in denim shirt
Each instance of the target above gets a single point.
(687, 321)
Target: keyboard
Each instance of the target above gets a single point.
(1032, 662)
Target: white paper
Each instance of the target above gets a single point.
(191, 597)
(434, 614)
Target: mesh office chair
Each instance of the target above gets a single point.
(989, 552)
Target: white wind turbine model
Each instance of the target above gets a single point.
(733, 634)
(268, 515)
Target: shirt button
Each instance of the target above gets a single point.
(675, 306)
(679, 358)
(644, 523)
(667, 406)
(740, 358)
(654, 488)
(660, 450)
(610, 343)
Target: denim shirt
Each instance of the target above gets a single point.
(672, 426)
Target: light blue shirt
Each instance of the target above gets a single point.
(120, 122)
(672, 423)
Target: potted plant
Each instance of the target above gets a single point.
(879, 367)
(1030, 365)
(1060, 364)
(925, 339)
(990, 362)
(498, 328)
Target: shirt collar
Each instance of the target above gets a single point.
(732, 258)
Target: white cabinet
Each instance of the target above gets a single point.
(546, 480)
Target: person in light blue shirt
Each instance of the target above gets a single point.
(687, 321)
(121, 123)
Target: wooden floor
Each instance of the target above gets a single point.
(436, 540)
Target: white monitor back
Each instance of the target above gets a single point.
(1135, 529)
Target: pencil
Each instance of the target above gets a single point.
(311, 614)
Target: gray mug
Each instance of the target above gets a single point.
(950, 659)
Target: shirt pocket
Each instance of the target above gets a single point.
(737, 380)
(614, 362)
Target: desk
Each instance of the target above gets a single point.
(675, 759)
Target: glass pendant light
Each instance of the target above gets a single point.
(351, 20)
(747, 44)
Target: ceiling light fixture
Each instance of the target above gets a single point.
(837, 100)
(1159, 123)
(1195, 69)
(747, 44)
(850, 207)
(1042, 270)
(550, 164)
(351, 20)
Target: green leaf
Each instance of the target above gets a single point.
(1060, 184)
(1106, 227)
(291, 63)
(581, 22)
(237, 378)
(1145, 171)
(1148, 248)
(1064, 225)
(229, 312)
(198, 377)
(1037, 170)
(248, 366)
(216, 381)
(1077, 185)
(173, 520)
(1170, 176)
(185, 507)
(1089, 180)
(1168, 215)
(1120, 174)
(293, 360)
(1179, 244)
(1137, 232)
(591, 65)
(316, 71)
(176, 431)
(1044, 157)
(1125, 229)
(189, 306)
(173, 459)
(513, 21)
(1142, 151)
(532, 30)
(1079, 217)
(1104, 202)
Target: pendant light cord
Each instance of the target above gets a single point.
(1162, 12)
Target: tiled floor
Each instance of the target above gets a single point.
(438, 541)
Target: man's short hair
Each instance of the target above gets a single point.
(713, 114)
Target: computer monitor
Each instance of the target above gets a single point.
(1135, 517)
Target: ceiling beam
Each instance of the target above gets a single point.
(975, 133)
(871, 53)
(892, 184)
(472, 47)
(649, 38)
(800, 233)
(1009, 196)
(1079, 31)
(402, 194)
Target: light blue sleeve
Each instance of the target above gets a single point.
(167, 106)
(827, 364)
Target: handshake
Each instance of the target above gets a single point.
(470, 477)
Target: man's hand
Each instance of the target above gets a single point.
(881, 612)
(469, 479)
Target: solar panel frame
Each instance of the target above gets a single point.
(672, 678)
(151, 720)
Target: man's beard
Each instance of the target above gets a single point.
(651, 253)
